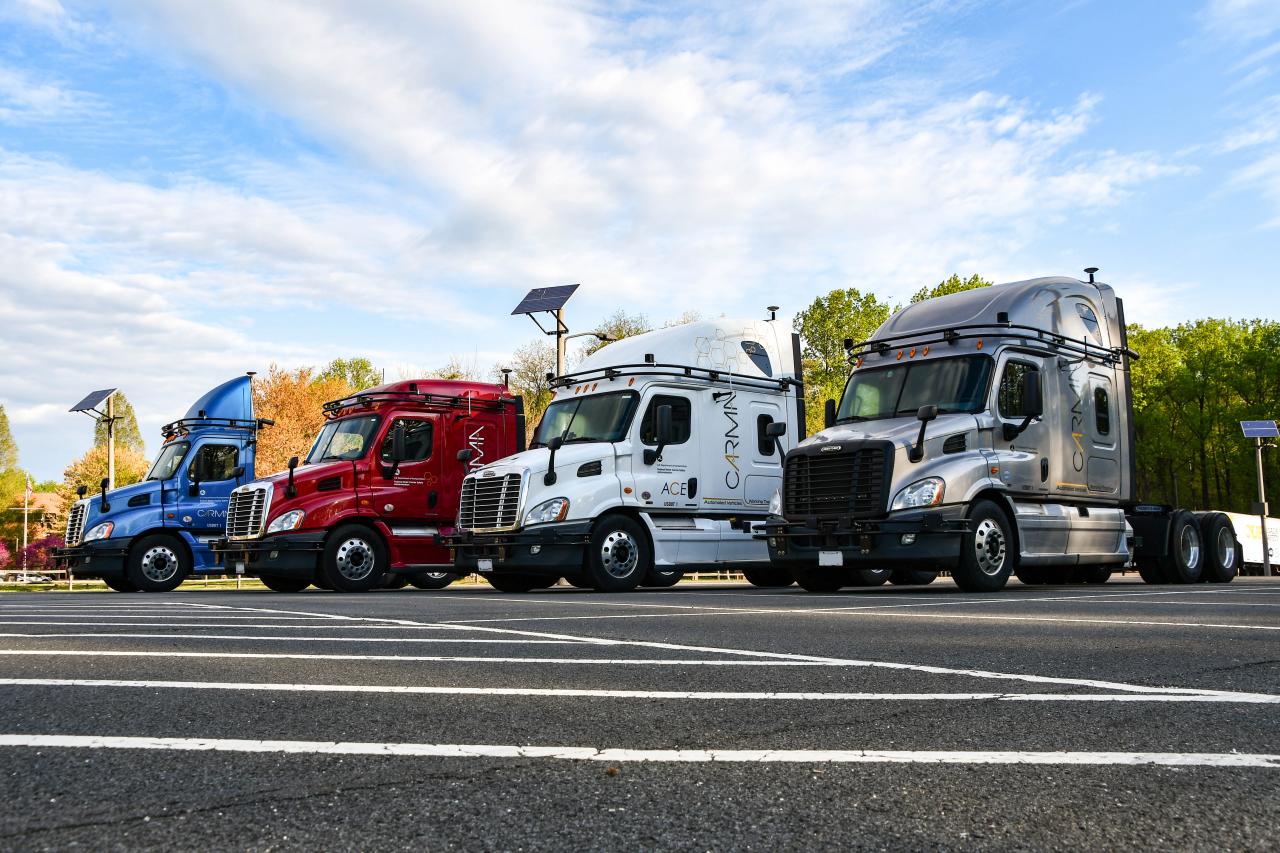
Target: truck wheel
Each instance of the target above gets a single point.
(768, 577)
(157, 564)
(912, 577)
(1185, 561)
(354, 560)
(517, 582)
(119, 583)
(1219, 536)
(393, 581)
(819, 580)
(433, 580)
(280, 584)
(988, 554)
(620, 555)
(578, 581)
(662, 577)
(869, 577)
(1032, 575)
(1095, 574)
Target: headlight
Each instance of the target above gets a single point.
(289, 521)
(775, 503)
(926, 492)
(547, 511)
(100, 531)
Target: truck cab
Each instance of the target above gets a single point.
(986, 433)
(656, 456)
(381, 481)
(151, 535)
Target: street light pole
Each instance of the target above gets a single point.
(111, 442)
(1262, 511)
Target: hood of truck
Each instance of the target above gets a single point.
(232, 400)
(567, 458)
(118, 500)
(309, 474)
(901, 431)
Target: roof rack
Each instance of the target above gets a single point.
(187, 424)
(435, 401)
(1051, 343)
(680, 371)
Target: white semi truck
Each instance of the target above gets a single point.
(658, 455)
(988, 433)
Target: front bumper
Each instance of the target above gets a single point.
(289, 555)
(871, 544)
(547, 549)
(95, 559)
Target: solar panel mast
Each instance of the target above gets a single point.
(1259, 430)
(550, 300)
(108, 416)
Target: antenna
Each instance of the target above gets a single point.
(1091, 271)
(506, 378)
(773, 312)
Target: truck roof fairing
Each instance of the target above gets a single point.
(442, 394)
(229, 406)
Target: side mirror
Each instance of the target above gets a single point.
(238, 472)
(829, 414)
(465, 455)
(553, 445)
(662, 431)
(106, 507)
(291, 490)
(776, 430)
(398, 451)
(924, 414)
(1032, 396)
(81, 491)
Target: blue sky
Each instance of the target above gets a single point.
(188, 191)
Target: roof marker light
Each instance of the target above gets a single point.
(926, 351)
(899, 355)
(979, 344)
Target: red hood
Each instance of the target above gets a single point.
(307, 473)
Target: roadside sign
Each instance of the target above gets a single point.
(1260, 429)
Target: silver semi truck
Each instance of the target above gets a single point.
(988, 433)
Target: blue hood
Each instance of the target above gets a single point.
(118, 499)
(231, 400)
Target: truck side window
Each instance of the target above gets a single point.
(417, 439)
(1010, 399)
(215, 462)
(759, 356)
(764, 442)
(1102, 411)
(681, 419)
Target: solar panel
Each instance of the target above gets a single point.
(545, 299)
(91, 402)
(1260, 429)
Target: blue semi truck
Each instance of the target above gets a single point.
(151, 535)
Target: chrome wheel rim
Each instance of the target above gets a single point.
(1189, 546)
(989, 547)
(160, 564)
(619, 554)
(1226, 549)
(437, 576)
(355, 559)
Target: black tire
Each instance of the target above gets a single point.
(354, 559)
(619, 556)
(988, 552)
(1032, 575)
(579, 581)
(820, 580)
(1060, 575)
(433, 580)
(912, 577)
(119, 583)
(662, 577)
(394, 581)
(157, 563)
(1184, 563)
(1095, 574)
(869, 577)
(1221, 548)
(276, 583)
(768, 577)
(1150, 570)
(517, 582)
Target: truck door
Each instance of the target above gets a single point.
(1102, 465)
(409, 503)
(1024, 459)
(755, 477)
(672, 487)
(211, 476)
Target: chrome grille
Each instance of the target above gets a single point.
(489, 503)
(247, 512)
(847, 483)
(75, 522)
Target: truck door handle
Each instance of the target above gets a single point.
(433, 498)
(693, 487)
(1044, 470)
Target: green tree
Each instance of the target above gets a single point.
(616, 326)
(8, 447)
(127, 432)
(823, 328)
(954, 284)
(358, 373)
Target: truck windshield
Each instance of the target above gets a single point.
(952, 384)
(166, 464)
(602, 417)
(348, 438)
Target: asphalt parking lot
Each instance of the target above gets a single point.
(707, 716)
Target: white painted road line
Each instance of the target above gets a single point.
(286, 638)
(586, 753)
(589, 693)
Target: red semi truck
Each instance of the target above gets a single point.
(382, 480)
